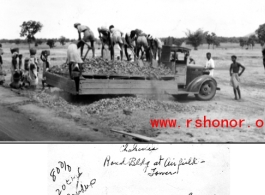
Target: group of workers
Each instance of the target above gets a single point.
(135, 40)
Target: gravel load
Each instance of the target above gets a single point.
(100, 66)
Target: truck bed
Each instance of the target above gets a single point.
(115, 84)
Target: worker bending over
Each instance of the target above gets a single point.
(116, 38)
(104, 36)
(156, 47)
(87, 37)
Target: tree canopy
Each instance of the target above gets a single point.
(195, 38)
(29, 29)
(261, 34)
(51, 43)
(62, 40)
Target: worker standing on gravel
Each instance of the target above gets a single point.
(104, 36)
(209, 64)
(116, 38)
(156, 46)
(88, 37)
(234, 74)
(128, 43)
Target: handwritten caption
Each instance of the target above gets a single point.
(151, 168)
(73, 179)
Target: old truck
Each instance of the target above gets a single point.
(186, 80)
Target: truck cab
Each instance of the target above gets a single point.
(190, 77)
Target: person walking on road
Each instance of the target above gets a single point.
(88, 37)
(235, 76)
(209, 64)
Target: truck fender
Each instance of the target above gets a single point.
(195, 84)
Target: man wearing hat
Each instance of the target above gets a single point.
(88, 37)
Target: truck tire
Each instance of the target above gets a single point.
(207, 91)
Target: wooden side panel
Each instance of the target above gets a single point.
(61, 82)
(105, 86)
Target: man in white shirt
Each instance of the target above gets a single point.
(209, 64)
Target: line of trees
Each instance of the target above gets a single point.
(199, 37)
(195, 39)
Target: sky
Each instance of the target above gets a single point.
(160, 18)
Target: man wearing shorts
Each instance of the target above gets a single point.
(234, 73)
(116, 38)
(88, 37)
(104, 35)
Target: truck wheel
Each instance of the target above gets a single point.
(207, 91)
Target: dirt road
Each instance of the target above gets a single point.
(22, 119)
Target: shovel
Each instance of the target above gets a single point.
(138, 61)
(84, 58)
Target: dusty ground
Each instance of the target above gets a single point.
(69, 121)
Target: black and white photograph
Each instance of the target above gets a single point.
(132, 71)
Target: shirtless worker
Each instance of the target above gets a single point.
(115, 38)
(104, 35)
(88, 37)
(234, 73)
(128, 43)
(156, 46)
